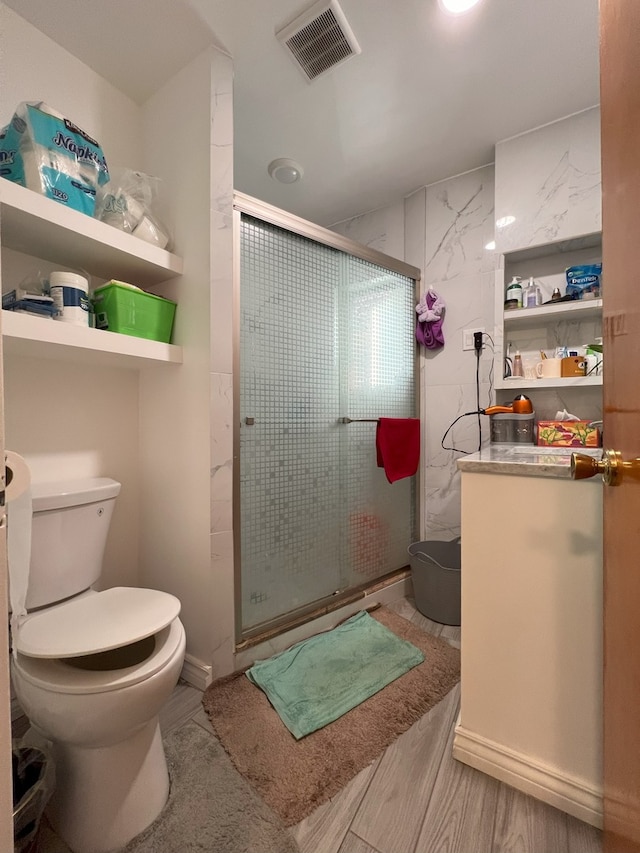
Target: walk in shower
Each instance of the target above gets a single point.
(324, 347)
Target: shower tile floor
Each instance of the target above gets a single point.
(415, 798)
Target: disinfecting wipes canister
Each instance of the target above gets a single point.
(70, 296)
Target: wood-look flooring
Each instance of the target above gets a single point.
(415, 798)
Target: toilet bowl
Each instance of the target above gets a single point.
(92, 672)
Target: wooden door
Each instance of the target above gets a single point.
(6, 788)
(620, 103)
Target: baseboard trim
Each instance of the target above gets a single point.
(196, 673)
(567, 793)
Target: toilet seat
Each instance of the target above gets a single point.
(96, 623)
(60, 676)
(49, 640)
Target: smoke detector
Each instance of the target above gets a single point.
(319, 39)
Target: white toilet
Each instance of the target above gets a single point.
(93, 670)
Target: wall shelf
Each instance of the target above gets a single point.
(558, 247)
(531, 331)
(531, 317)
(558, 382)
(43, 228)
(42, 337)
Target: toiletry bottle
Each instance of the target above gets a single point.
(531, 295)
(514, 290)
(518, 369)
(556, 295)
(594, 358)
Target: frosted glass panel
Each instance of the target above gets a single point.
(322, 336)
(376, 371)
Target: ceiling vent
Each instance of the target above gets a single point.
(319, 39)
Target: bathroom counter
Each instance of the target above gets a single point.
(525, 460)
(531, 684)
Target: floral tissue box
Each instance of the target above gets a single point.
(567, 434)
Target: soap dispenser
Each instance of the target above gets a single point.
(514, 290)
(531, 295)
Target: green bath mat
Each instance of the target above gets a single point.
(318, 680)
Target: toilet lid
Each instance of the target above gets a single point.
(97, 623)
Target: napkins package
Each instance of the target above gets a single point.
(42, 150)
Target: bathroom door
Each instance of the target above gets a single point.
(323, 336)
(620, 116)
(6, 790)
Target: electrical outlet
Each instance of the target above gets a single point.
(467, 338)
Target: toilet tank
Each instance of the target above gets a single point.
(69, 533)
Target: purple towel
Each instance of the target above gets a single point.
(430, 312)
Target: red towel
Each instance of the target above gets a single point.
(398, 447)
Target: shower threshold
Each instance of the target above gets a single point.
(265, 632)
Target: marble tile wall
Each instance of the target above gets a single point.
(382, 230)
(459, 223)
(221, 377)
(549, 180)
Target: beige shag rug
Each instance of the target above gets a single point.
(295, 777)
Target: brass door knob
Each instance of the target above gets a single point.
(611, 466)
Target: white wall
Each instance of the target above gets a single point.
(382, 230)
(548, 180)
(176, 423)
(458, 225)
(67, 419)
(35, 68)
(156, 429)
(75, 420)
(221, 610)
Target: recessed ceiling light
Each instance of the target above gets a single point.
(457, 7)
(504, 221)
(285, 170)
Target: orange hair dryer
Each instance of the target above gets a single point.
(521, 406)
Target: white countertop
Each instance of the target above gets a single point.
(525, 460)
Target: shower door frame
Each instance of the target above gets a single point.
(245, 204)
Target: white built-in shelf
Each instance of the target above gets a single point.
(557, 382)
(559, 247)
(43, 337)
(38, 226)
(577, 309)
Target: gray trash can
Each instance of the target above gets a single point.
(435, 572)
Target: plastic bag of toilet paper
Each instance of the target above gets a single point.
(584, 280)
(44, 151)
(128, 202)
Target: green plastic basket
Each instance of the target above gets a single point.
(124, 309)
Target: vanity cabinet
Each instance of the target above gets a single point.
(531, 682)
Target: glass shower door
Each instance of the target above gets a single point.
(323, 336)
(376, 319)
